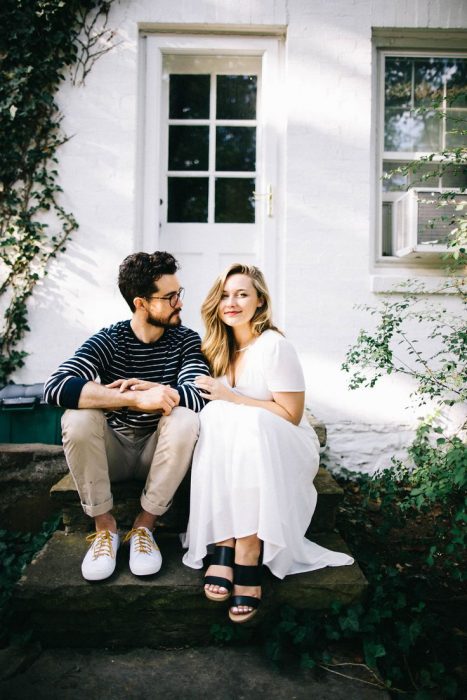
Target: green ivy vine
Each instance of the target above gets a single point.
(41, 42)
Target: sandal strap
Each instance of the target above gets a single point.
(248, 600)
(248, 575)
(218, 581)
(223, 556)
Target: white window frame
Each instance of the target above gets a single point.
(400, 42)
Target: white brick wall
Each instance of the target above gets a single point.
(327, 262)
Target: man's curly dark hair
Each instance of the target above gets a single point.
(139, 272)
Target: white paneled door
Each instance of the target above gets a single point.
(211, 155)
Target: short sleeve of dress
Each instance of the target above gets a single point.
(282, 368)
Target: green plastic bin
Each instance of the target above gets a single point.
(24, 417)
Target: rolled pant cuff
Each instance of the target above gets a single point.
(151, 507)
(100, 509)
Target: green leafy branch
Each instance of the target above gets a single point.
(39, 41)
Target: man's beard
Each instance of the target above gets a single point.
(171, 322)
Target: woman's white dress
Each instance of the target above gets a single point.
(253, 471)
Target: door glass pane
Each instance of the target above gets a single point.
(236, 97)
(234, 202)
(188, 147)
(188, 199)
(189, 96)
(236, 148)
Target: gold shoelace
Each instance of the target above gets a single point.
(144, 542)
(102, 543)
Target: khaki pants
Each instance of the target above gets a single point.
(97, 455)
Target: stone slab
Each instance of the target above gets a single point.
(224, 673)
(167, 609)
(27, 471)
(126, 504)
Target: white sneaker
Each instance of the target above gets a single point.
(145, 557)
(100, 559)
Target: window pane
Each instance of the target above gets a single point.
(189, 96)
(188, 147)
(234, 201)
(236, 97)
(236, 148)
(424, 175)
(429, 78)
(455, 176)
(398, 82)
(188, 199)
(392, 181)
(387, 228)
(456, 127)
(407, 131)
(456, 85)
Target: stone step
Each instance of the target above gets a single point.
(126, 504)
(165, 610)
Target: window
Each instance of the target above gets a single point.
(212, 139)
(412, 225)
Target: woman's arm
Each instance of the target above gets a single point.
(286, 404)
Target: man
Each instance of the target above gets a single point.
(132, 399)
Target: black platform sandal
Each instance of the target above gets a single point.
(246, 576)
(222, 556)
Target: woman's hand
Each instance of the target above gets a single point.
(214, 389)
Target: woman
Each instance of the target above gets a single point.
(252, 492)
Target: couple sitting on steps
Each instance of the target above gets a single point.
(146, 399)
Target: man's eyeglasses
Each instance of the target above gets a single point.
(171, 298)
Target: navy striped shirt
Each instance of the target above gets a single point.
(116, 353)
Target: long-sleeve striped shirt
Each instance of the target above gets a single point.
(116, 353)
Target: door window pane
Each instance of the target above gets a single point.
(236, 97)
(236, 148)
(189, 96)
(188, 147)
(188, 199)
(234, 202)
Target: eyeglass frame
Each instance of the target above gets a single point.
(178, 296)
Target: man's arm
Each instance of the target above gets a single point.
(160, 398)
(193, 364)
(73, 385)
(64, 386)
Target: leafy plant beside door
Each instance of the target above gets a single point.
(39, 42)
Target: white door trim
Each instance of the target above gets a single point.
(271, 50)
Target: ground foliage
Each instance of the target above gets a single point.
(409, 631)
(16, 551)
(40, 41)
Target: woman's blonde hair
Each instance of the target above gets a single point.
(219, 344)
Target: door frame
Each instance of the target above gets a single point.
(152, 46)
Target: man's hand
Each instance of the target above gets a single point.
(157, 399)
(213, 389)
(132, 384)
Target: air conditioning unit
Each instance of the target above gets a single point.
(423, 219)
